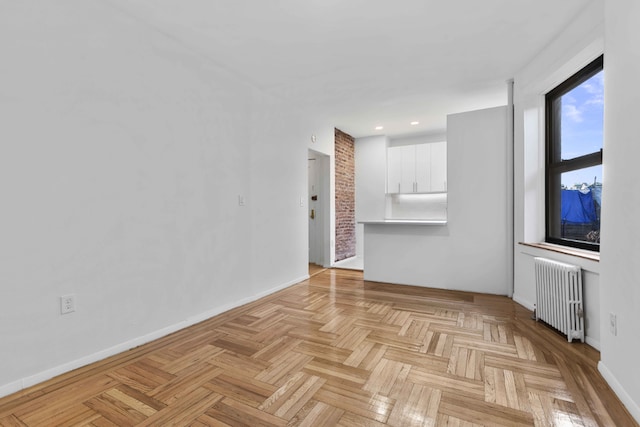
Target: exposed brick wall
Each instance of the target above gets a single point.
(345, 196)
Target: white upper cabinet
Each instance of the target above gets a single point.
(407, 169)
(423, 166)
(438, 166)
(394, 169)
(419, 168)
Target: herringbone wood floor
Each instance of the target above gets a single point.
(335, 350)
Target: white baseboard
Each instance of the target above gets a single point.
(21, 384)
(632, 407)
(523, 302)
(593, 343)
(11, 388)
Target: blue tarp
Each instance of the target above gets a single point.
(597, 195)
(577, 207)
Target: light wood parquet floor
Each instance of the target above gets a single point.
(336, 350)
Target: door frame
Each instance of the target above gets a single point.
(319, 235)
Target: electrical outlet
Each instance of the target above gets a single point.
(67, 304)
(613, 324)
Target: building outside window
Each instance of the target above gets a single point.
(574, 136)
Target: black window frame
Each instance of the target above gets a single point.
(555, 165)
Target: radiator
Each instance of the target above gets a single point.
(559, 297)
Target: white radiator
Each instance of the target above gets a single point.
(559, 297)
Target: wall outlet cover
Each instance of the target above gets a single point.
(613, 324)
(67, 304)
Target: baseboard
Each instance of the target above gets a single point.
(12, 387)
(21, 384)
(218, 310)
(100, 355)
(523, 302)
(593, 343)
(622, 394)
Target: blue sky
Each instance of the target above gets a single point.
(582, 125)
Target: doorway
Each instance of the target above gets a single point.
(318, 208)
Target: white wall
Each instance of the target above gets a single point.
(371, 178)
(278, 181)
(123, 156)
(580, 43)
(471, 252)
(611, 286)
(620, 278)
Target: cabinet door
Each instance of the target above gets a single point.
(423, 165)
(439, 166)
(394, 169)
(408, 178)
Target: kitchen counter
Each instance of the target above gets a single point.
(405, 222)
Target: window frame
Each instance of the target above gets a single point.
(554, 165)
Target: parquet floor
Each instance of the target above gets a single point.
(335, 350)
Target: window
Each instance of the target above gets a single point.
(574, 135)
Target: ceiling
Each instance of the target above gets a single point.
(368, 63)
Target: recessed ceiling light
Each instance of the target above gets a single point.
(379, 127)
(415, 123)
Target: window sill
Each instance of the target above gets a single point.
(580, 253)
